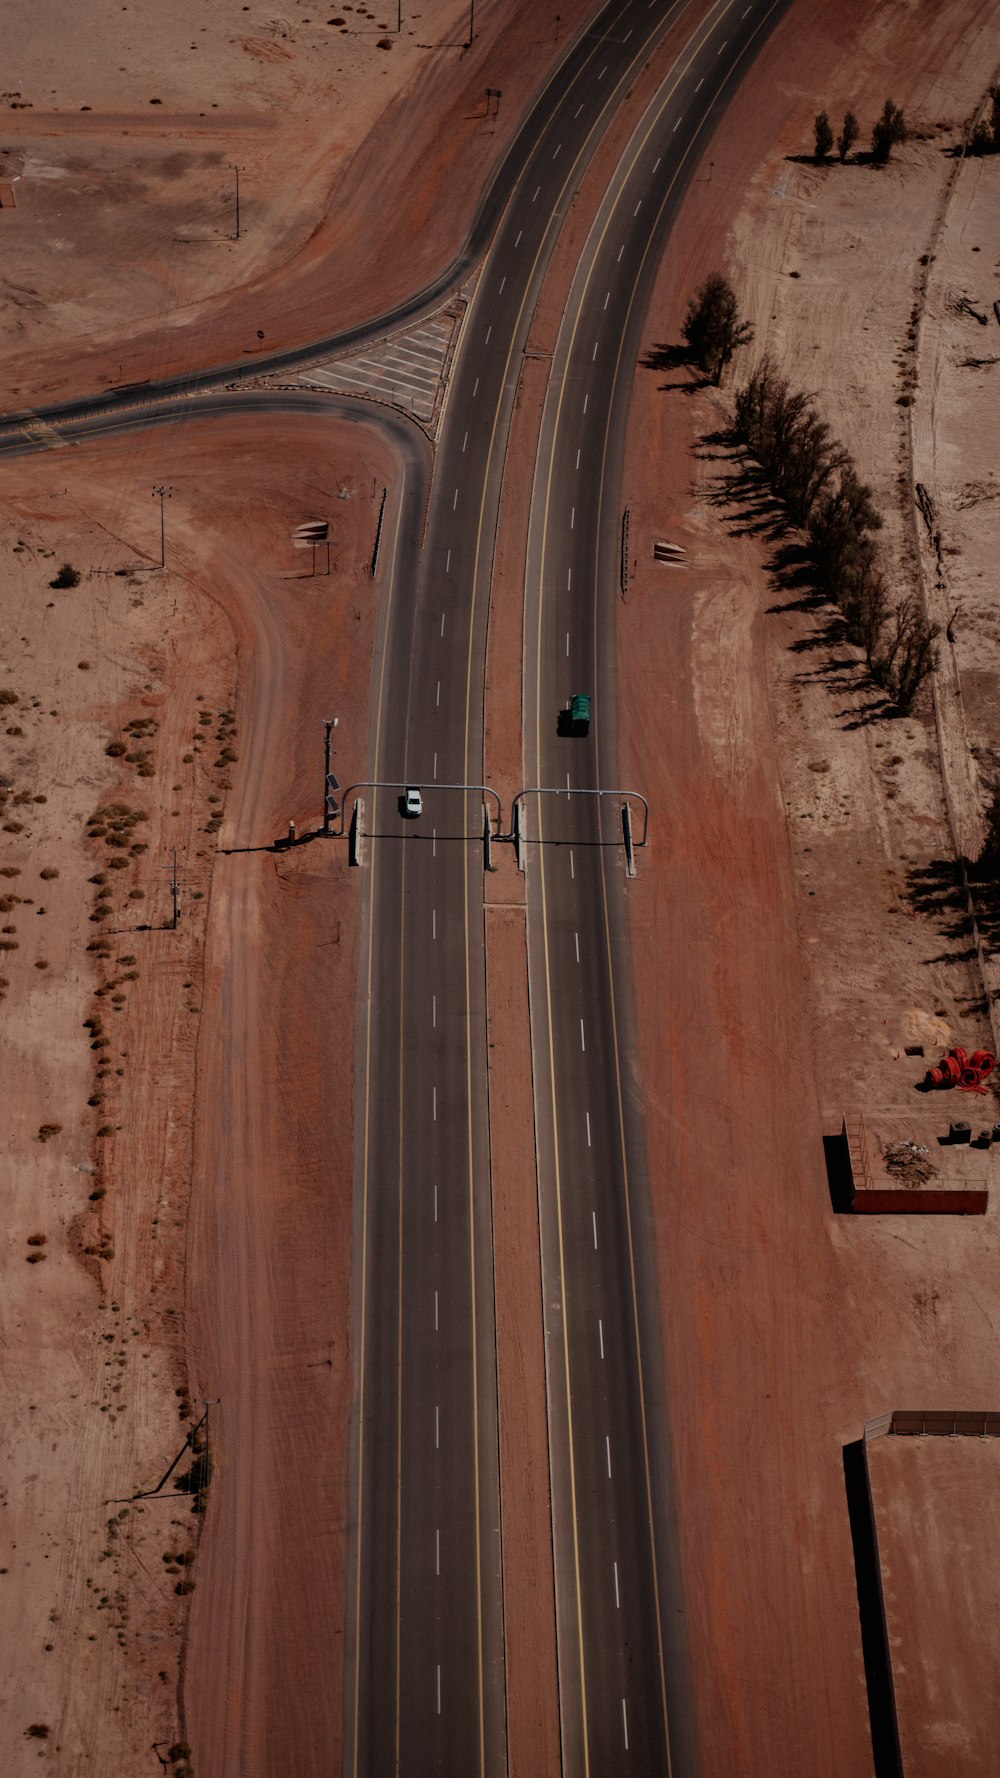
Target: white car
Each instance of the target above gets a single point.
(411, 802)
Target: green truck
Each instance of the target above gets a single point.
(579, 714)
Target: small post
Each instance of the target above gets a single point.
(175, 891)
(378, 533)
(330, 785)
(472, 22)
(164, 494)
(487, 839)
(515, 833)
(624, 570)
(237, 170)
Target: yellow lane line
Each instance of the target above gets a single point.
(391, 582)
(636, 153)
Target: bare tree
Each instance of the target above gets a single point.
(848, 135)
(712, 326)
(824, 136)
(890, 129)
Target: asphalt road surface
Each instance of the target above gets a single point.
(625, 1691)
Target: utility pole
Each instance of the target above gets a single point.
(472, 22)
(175, 891)
(330, 785)
(164, 494)
(237, 170)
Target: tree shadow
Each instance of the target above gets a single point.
(740, 490)
(936, 891)
(985, 887)
(664, 356)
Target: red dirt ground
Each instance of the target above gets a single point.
(785, 1327)
(433, 149)
(254, 1236)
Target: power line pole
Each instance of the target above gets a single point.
(237, 170)
(472, 22)
(164, 494)
(175, 891)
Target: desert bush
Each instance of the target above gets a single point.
(48, 873)
(67, 576)
(46, 1131)
(8, 695)
(37, 1240)
(115, 749)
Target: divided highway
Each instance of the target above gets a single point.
(425, 1667)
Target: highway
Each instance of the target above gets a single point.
(425, 1663)
(426, 1641)
(424, 1655)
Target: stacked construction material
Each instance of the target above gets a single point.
(958, 1069)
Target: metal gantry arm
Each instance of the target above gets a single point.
(412, 783)
(554, 790)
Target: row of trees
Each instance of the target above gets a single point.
(889, 130)
(818, 485)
